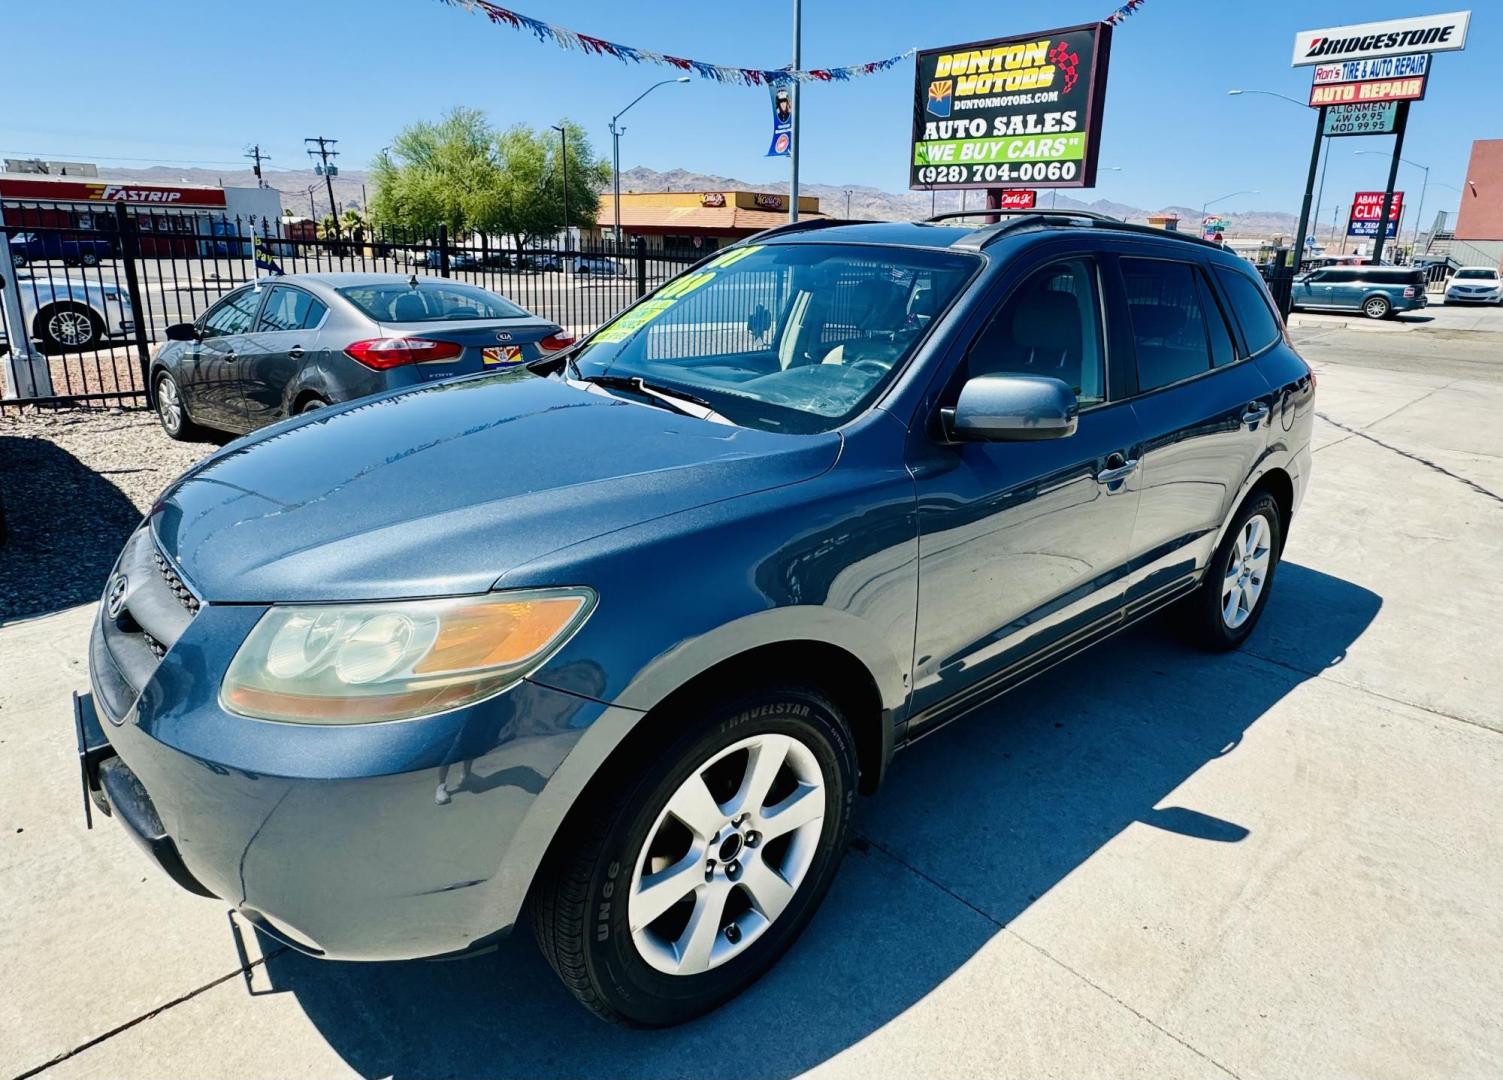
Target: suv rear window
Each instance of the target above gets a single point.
(1393, 275)
(427, 301)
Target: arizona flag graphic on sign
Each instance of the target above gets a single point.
(939, 96)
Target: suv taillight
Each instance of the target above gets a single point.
(1410, 292)
(554, 342)
(381, 354)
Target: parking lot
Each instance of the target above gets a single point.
(1149, 861)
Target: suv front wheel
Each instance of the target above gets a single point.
(693, 872)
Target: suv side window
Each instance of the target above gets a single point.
(1168, 323)
(232, 315)
(1223, 352)
(1050, 325)
(1261, 325)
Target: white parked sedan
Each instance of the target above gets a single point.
(69, 314)
(1475, 285)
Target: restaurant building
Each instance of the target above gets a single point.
(690, 222)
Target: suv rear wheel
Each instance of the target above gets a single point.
(693, 873)
(1376, 307)
(1231, 598)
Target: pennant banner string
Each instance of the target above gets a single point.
(573, 41)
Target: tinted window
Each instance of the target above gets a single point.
(428, 301)
(1260, 324)
(1223, 352)
(1320, 275)
(1340, 277)
(232, 315)
(1051, 326)
(289, 309)
(1485, 275)
(1168, 325)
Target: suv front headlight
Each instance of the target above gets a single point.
(361, 663)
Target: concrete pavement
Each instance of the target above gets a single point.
(1286, 862)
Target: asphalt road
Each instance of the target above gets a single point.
(1285, 862)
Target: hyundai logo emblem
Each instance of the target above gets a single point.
(114, 598)
(503, 335)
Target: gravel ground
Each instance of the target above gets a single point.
(73, 485)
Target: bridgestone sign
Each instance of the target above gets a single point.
(1422, 34)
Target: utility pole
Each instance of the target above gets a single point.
(793, 93)
(255, 154)
(563, 138)
(325, 153)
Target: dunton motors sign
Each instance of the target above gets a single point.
(159, 195)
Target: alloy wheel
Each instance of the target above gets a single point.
(1246, 572)
(70, 328)
(726, 854)
(169, 405)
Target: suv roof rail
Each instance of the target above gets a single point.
(1018, 219)
(805, 224)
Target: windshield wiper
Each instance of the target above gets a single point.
(676, 400)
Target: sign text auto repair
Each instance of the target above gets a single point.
(1018, 110)
(1421, 34)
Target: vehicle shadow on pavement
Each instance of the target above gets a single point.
(972, 826)
(64, 524)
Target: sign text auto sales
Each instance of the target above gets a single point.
(1020, 110)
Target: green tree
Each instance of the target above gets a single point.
(462, 173)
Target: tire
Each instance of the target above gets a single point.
(1220, 616)
(89, 258)
(1376, 307)
(19, 259)
(591, 890)
(69, 327)
(175, 421)
(311, 404)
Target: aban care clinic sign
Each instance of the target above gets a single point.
(1017, 110)
(1421, 34)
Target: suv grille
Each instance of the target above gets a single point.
(175, 583)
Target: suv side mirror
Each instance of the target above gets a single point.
(183, 331)
(1012, 408)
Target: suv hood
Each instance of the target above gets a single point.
(442, 489)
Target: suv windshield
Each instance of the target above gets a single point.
(790, 337)
(428, 301)
(1486, 275)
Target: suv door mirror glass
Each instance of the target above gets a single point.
(183, 331)
(1004, 408)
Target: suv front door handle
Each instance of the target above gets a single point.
(1117, 468)
(1256, 413)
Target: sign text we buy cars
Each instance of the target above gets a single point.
(1017, 110)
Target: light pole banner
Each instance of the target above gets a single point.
(782, 120)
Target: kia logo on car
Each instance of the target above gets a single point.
(503, 335)
(114, 600)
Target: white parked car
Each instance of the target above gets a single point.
(67, 314)
(1475, 285)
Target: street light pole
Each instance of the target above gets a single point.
(794, 101)
(1424, 187)
(616, 132)
(563, 137)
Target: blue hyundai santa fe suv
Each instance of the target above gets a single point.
(615, 639)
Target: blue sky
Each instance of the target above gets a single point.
(196, 81)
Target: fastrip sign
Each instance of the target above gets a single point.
(1423, 33)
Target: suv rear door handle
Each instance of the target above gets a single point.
(296, 352)
(1117, 468)
(1256, 413)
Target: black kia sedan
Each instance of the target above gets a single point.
(284, 345)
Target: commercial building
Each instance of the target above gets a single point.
(694, 221)
(1479, 221)
(168, 217)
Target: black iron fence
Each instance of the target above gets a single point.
(98, 291)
